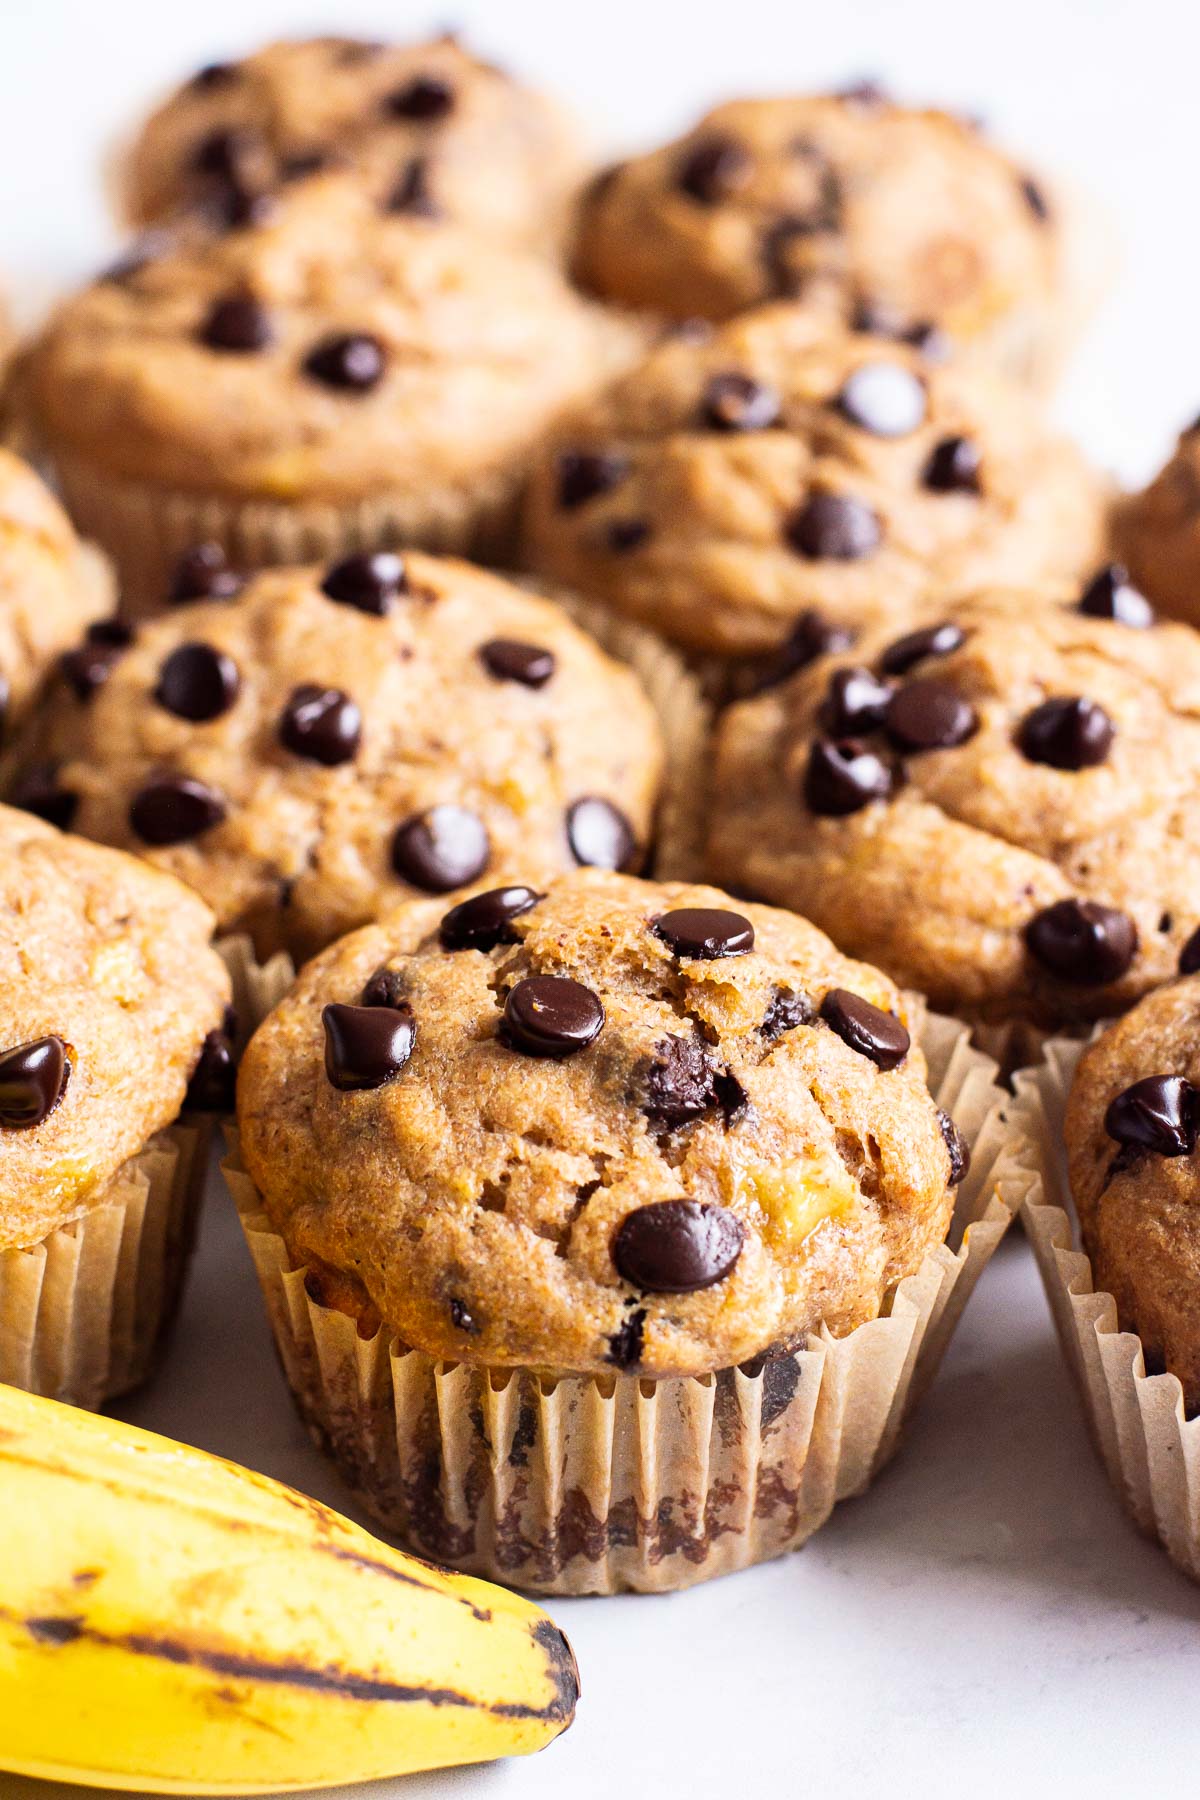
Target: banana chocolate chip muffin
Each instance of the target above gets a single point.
(908, 220)
(1157, 532)
(329, 741)
(112, 1018)
(997, 807)
(327, 377)
(738, 481)
(429, 128)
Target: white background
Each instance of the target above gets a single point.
(984, 1621)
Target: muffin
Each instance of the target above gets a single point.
(328, 377)
(311, 750)
(872, 212)
(112, 1021)
(609, 1134)
(996, 807)
(53, 590)
(1157, 532)
(429, 128)
(739, 481)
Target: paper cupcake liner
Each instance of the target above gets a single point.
(258, 987)
(82, 1313)
(1149, 1447)
(573, 1484)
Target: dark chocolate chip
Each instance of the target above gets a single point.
(204, 573)
(89, 667)
(509, 660)
(929, 715)
(811, 637)
(461, 1316)
(237, 206)
(786, 1011)
(551, 1015)
(883, 398)
(624, 535)
(1159, 1113)
(933, 640)
(1083, 942)
(736, 402)
(485, 920)
(836, 526)
(37, 790)
(875, 1034)
(705, 932)
(856, 702)
(600, 835)
(715, 167)
(366, 1046)
(412, 193)
(219, 154)
(33, 1079)
(1068, 732)
(953, 467)
(215, 75)
(677, 1085)
(368, 581)
(238, 324)
(214, 1079)
(441, 848)
(1111, 595)
(1189, 956)
(386, 987)
(842, 776)
(625, 1344)
(677, 1246)
(322, 724)
(174, 809)
(303, 163)
(956, 1144)
(784, 278)
(353, 360)
(425, 97)
(582, 475)
(1035, 198)
(198, 683)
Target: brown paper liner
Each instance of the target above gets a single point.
(82, 1313)
(1137, 1422)
(574, 1484)
(258, 987)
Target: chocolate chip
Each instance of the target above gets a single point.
(883, 398)
(677, 1246)
(1069, 732)
(386, 987)
(461, 1316)
(198, 683)
(929, 340)
(351, 359)
(1111, 595)
(1189, 956)
(786, 1011)
(1034, 198)
(485, 920)
(204, 573)
(836, 526)
(735, 402)
(425, 97)
(933, 640)
(625, 1344)
(1158, 1113)
(238, 206)
(1082, 942)
(714, 168)
(220, 153)
(584, 474)
(33, 1079)
(842, 776)
(366, 1046)
(600, 835)
(626, 534)
(214, 1079)
(174, 809)
(37, 790)
(215, 74)
(956, 1144)
(237, 323)
(875, 1034)
(705, 932)
(784, 279)
(89, 667)
(144, 251)
(929, 715)
(368, 581)
(953, 467)
(509, 660)
(441, 848)
(303, 163)
(551, 1015)
(812, 636)
(677, 1085)
(856, 702)
(867, 92)
(412, 193)
(321, 724)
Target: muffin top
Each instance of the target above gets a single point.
(737, 479)
(1157, 532)
(109, 989)
(862, 206)
(332, 740)
(52, 588)
(1131, 1133)
(998, 808)
(612, 1124)
(432, 130)
(328, 351)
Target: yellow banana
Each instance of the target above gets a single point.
(172, 1623)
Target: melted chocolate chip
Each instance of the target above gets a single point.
(786, 1011)
(442, 848)
(705, 932)
(1159, 1113)
(386, 987)
(412, 193)
(624, 535)
(353, 360)
(883, 398)
(956, 1144)
(425, 97)
(582, 475)
(600, 835)
(735, 402)
(834, 526)
(714, 168)
(677, 1085)
(214, 1079)
(198, 683)
(953, 467)
(929, 715)
(1082, 942)
(1111, 595)
(204, 573)
(321, 724)
(1069, 732)
(677, 1246)
(625, 1344)
(174, 809)
(1189, 956)
(33, 1079)
(37, 790)
(875, 1034)
(485, 920)
(551, 1015)
(933, 640)
(237, 324)
(369, 581)
(509, 660)
(842, 776)
(366, 1046)
(856, 702)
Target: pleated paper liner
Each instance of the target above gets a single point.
(575, 1484)
(1149, 1448)
(82, 1313)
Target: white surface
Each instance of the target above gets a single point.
(984, 1620)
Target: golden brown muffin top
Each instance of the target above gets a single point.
(612, 1124)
